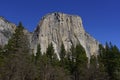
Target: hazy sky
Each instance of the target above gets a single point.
(101, 18)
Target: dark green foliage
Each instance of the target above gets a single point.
(18, 42)
(16, 62)
(48, 67)
(50, 52)
(80, 55)
(97, 70)
(76, 61)
(38, 54)
(80, 61)
(62, 52)
(38, 50)
(110, 57)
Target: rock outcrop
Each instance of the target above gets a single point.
(55, 28)
(58, 28)
(6, 31)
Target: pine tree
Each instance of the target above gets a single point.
(81, 61)
(38, 50)
(110, 57)
(62, 54)
(38, 54)
(17, 63)
(80, 54)
(50, 52)
(96, 69)
(18, 41)
(1, 56)
(77, 62)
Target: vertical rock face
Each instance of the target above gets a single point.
(55, 28)
(6, 31)
(58, 28)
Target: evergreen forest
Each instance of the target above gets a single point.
(17, 62)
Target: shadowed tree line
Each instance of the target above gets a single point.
(16, 62)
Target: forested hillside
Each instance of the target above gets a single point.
(17, 62)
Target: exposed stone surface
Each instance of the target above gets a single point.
(56, 28)
(6, 31)
(28, 35)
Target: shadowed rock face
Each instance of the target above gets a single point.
(6, 31)
(58, 28)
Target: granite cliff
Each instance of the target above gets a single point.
(55, 28)
(6, 30)
(58, 28)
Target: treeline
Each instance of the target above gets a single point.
(17, 62)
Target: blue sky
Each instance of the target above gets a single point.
(101, 18)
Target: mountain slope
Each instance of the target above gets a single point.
(58, 28)
(55, 28)
(6, 30)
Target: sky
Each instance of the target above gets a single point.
(101, 18)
